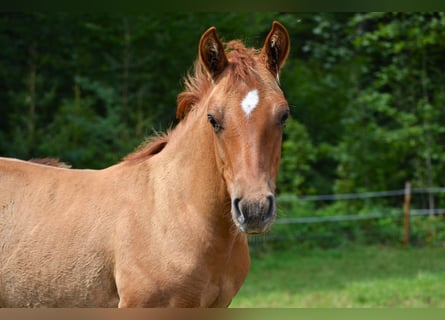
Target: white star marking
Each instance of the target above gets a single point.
(250, 102)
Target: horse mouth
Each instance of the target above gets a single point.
(254, 216)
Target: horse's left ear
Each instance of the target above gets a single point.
(211, 53)
(276, 48)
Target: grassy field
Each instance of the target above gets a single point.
(348, 277)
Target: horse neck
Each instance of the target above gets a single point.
(188, 167)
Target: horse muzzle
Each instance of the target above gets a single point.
(254, 216)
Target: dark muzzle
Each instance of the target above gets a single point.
(253, 216)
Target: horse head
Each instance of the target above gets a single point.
(246, 112)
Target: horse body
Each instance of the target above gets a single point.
(168, 225)
(131, 249)
(51, 252)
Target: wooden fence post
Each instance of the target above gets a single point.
(406, 213)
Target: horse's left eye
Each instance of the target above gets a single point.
(284, 117)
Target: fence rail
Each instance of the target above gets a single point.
(355, 217)
(362, 195)
(404, 212)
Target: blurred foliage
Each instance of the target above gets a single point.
(366, 90)
(388, 229)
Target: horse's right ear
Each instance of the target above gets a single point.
(211, 53)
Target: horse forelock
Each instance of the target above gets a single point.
(242, 62)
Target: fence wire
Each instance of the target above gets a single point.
(363, 195)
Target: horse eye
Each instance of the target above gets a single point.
(284, 117)
(216, 126)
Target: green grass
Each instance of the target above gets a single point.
(348, 277)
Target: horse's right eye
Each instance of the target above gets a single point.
(215, 124)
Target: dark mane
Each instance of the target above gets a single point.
(149, 147)
(52, 162)
(241, 61)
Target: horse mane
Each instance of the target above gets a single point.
(149, 147)
(197, 84)
(52, 162)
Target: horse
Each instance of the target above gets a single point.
(168, 225)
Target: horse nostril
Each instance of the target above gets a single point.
(239, 214)
(270, 210)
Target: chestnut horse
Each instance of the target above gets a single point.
(168, 225)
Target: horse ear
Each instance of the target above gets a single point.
(276, 48)
(211, 53)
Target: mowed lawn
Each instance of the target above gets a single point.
(349, 277)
